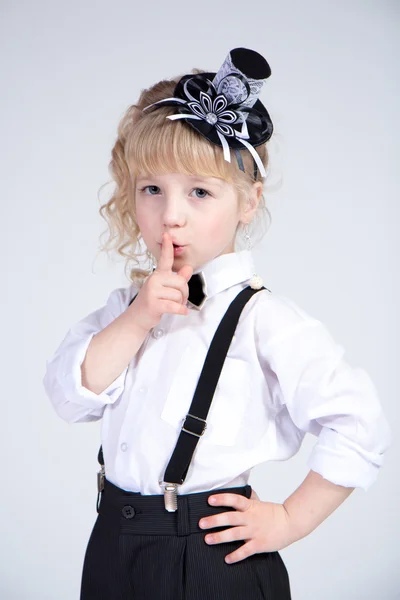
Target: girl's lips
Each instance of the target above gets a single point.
(177, 249)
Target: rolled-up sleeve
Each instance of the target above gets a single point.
(327, 397)
(62, 381)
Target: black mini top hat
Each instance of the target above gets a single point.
(224, 106)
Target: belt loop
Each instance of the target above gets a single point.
(182, 513)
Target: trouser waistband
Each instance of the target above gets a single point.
(134, 512)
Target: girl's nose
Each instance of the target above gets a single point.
(173, 213)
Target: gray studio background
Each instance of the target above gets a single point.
(68, 72)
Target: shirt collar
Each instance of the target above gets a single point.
(226, 270)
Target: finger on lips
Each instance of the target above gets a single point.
(166, 262)
(167, 254)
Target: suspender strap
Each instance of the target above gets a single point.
(100, 457)
(195, 421)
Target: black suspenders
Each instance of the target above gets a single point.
(194, 424)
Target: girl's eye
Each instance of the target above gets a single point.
(152, 189)
(201, 190)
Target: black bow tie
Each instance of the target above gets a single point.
(196, 289)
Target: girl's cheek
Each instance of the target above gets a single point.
(215, 230)
(144, 219)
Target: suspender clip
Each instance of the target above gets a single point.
(100, 485)
(171, 497)
(100, 479)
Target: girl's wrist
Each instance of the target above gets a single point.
(133, 323)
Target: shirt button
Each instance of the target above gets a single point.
(123, 446)
(158, 333)
(142, 390)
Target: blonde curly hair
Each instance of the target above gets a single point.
(149, 143)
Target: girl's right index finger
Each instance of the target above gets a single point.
(167, 254)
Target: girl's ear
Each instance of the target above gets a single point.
(257, 191)
(252, 202)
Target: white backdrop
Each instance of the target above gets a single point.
(68, 72)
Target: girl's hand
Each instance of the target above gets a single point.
(264, 526)
(163, 291)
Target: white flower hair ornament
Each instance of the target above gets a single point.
(213, 103)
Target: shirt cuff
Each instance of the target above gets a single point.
(70, 378)
(341, 461)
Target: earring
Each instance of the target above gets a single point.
(256, 282)
(247, 237)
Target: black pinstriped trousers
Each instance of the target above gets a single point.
(139, 551)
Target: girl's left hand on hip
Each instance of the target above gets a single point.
(264, 526)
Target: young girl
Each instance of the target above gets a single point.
(197, 370)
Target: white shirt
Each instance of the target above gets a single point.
(283, 376)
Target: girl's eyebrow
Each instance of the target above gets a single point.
(208, 180)
(194, 178)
